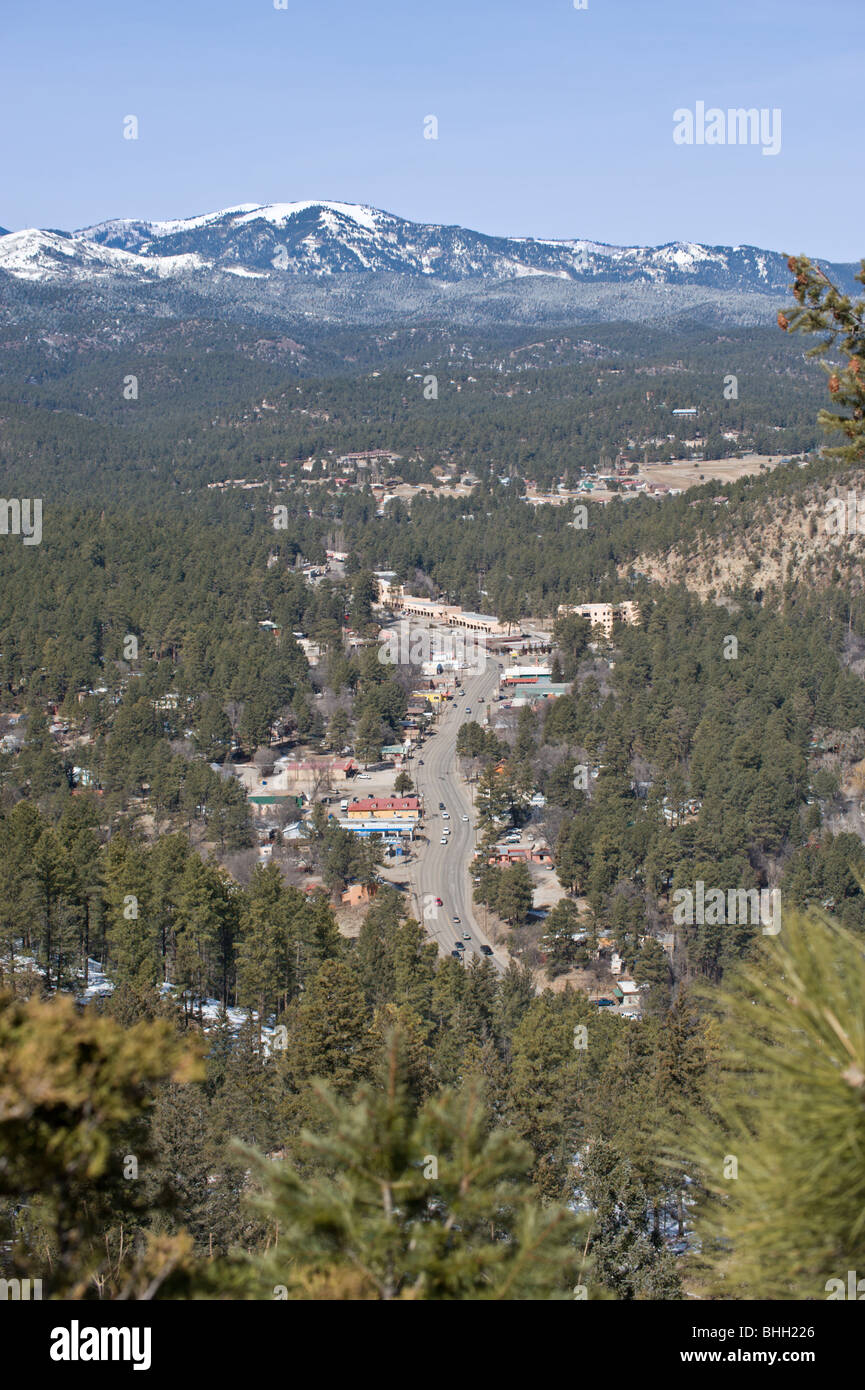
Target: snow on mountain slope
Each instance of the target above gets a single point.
(258, 256)
(279, 213)
(37, 255)
(327, 238)
(51, 256)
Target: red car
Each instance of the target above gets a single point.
(439, 902)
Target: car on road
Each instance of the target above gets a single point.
(446, 815)
(420, 762)
(486, 950)
(439, 902)
(441, 805)
(463, 817)
(466, 936)
(455, 918)
(444, 839)
(468, 709)
(458, 946)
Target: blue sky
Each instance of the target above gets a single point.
(552, 121)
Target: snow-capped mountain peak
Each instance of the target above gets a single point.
(273, 253)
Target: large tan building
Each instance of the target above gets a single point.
(604, 615)
(389, 591)
(450, 615)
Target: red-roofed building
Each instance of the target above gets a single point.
(385, 808)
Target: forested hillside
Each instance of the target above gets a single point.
(209, 1086)
(102, 409)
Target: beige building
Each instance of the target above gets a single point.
(427, 608)
(604, 615)
(389, 591)
(449, 615)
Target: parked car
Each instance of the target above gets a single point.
(486, 950)
(606, 1003)
(457, 955)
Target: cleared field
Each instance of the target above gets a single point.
(686, 473)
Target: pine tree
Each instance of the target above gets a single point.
(822, 308)
(331, 1036)
(414, 966)
(213, 734)
(131, 931)
(265, 968)
(407, 1203)
(75, 1094)
(781, 1158)
(178, 1179)
(515, 892)
(20, 832)
(57, 913)
(368, 737)
(313, 935)
(204, 912)
(629, 1259)
(548, 1075)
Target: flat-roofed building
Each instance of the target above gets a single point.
(389, 829)
(451, 615)
(428, 608)
(389, 591)
(604, 615)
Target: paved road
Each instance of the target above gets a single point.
(443, 870)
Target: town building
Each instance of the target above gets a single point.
(389, 591)
(450, 615)
(504, 856)
(388, 829)
(384, 808)
(604, 615)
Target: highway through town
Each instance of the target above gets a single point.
(442, 870)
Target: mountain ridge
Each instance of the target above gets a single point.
(272, 255)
